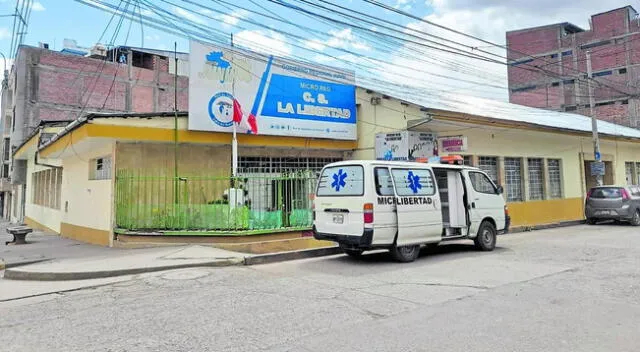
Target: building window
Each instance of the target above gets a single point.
(278, 165)
(570, 108)
(489, 164)
(47, 187)
(555, 84)
(593, 45)
(526, 61)
(523, 89)
(7, 149)
(553, 56)
(467, 160)
(5, 171)
(625, 102)
(555, 178)
(569, 81)
(100, 168)
(622, 71)
(637, 173)
(513, 179)
(606, 103)
(603, 73)
(628, 171)
(567, 53)
(536, 179)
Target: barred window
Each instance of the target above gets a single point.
(555, 178)
(536, 179)
(47, 186)
(628, 168)
(100, 168)
(258, 164)
(467, 160)
(513, 179)
(489, 164)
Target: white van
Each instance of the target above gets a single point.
(369, 204)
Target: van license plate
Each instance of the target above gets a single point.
(338, 218)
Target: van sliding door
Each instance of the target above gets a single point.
(418, 206)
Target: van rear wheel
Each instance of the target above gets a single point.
(405, 254)
(487, 236)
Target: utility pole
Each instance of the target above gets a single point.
(176, 183)
(594, 121)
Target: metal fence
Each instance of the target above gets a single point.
(255, 202)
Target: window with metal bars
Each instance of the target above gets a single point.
(467, 160)
(628, 168)
(513, 179)
(489, 164)
(100, 168)
(555, 178)
(47, 186)
(278, 165)
(536, 178)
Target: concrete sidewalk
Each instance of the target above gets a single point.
(46, 246)
(125, 263)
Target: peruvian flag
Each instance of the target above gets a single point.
(247, 122)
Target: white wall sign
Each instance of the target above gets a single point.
(277, 96)
(405, 145)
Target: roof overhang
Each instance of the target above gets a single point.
(92, 133)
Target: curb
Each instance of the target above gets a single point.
(70, 276)
(293, 255)
(521, 229)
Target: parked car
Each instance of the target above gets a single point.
(620, 203)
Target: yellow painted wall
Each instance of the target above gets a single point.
(86, 203)
(41, 217)
(491, 140)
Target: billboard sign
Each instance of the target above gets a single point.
(268, 95)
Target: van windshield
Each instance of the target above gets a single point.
(343, 180)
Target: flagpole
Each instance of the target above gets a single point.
(234, 142)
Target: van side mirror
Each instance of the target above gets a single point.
(500, 190)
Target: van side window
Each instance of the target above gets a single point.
(481, 183)
(413, 182)
(384, 186)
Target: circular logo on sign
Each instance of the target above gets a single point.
(221, 109)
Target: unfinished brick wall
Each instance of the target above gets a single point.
(615, 37)
(62, 85)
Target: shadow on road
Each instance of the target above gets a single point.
(381, 260)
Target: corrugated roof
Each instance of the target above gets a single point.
(498, 110)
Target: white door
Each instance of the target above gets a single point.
(385, 225)
(418, 206)
(339, 200)
(485, 201)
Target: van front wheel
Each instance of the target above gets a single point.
(487, 236)
(405, 254)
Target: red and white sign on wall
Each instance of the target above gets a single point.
(452, 144)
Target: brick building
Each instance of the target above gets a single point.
(548, 66)
(49, 88)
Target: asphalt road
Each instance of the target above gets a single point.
(570, 289)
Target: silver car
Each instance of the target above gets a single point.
(620, 203)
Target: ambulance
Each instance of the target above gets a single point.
(401, 206)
